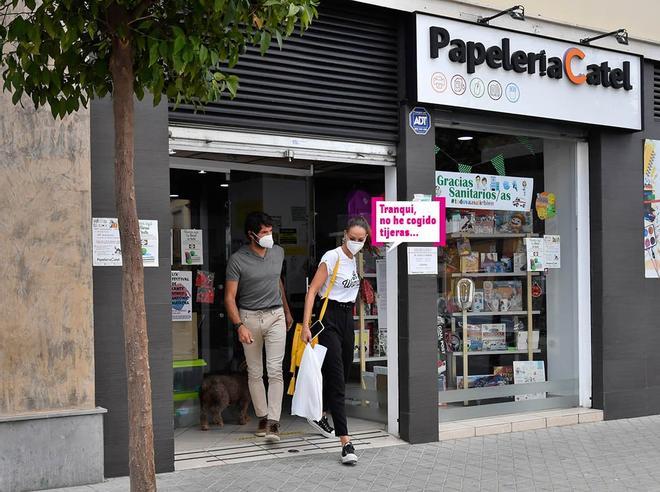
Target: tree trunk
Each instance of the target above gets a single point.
(140, 425)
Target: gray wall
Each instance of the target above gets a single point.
(418, 340)
(152, 191)
(625, 332)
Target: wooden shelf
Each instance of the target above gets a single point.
(494, 352)
(486, 274)
(502, 235)
(369, 275)
(493, 313)
(367, 318)
(372, 359)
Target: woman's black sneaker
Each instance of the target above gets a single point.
(348, 456)
(323, 427)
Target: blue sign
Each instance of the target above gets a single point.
(419, 120)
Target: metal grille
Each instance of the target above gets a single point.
(338, 80)
(656, 91)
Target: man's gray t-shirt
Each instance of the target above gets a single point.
(258, 278)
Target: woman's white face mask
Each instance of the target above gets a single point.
(354, 246)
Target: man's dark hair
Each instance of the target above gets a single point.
(255, 220)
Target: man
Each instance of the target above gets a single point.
(257, 308)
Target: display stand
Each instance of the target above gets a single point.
(465, 353)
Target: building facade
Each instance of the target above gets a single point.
(335, 110)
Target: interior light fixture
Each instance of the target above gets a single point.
(465, 138)
(174, 195)
(172, 151)
(621, 36)
(202, 171)
(516, 12)
(224, 185)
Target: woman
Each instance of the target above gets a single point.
(338, 335)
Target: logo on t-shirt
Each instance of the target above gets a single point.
(351, 283)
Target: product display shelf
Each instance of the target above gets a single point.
(493, 274)
(473, 235)
(371, 359)
(493, 313)
(366, 317)
(529, 312)
(494, 352)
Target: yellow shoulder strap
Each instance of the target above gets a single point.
(329, 289)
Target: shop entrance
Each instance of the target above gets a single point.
(309, 207)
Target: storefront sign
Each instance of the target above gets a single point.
(181, 295)
(651, 208)
(106, 246)
(479, 67)
(191, 247)
(414, 222)
(484, 191)
(419, 120)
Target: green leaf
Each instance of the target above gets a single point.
(218, 5)
(203, 54)
(153, 53)
(293, 10)
(179, 43)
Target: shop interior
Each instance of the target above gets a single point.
(481, 367)
(309, 209)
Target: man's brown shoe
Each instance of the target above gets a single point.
(263, 427)
(273, 433)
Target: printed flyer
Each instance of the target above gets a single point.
(106, 246)
(535, 254)
(181, 295)
(484, 191)
(191, 247)
(651, 201)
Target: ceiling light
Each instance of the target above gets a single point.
(174, 196)
(201, 171)
(224, 185)
(465, 137)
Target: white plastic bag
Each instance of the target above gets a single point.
(308, 395)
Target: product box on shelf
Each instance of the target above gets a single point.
(513, 222)
(474, 337)
(470, 263)
(521, 340)
(493, 336)
(507, 295)
(484, 222)
(184, 339)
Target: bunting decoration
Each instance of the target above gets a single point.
(464, 168)
(526, 143)
(498, 164)
(436, 149)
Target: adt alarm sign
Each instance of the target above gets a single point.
(419, 120)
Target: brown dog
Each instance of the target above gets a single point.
(218, 392)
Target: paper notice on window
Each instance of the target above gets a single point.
(381, 291)
(535, 254)
(181, 295)
(192, 252)
(422, 260)
(552, 251)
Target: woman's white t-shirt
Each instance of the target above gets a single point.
(347, 284)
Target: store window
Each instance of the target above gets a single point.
(511, 232)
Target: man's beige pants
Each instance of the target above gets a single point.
(268, 328)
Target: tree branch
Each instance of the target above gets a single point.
(140, 9)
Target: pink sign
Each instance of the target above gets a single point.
(394, 222)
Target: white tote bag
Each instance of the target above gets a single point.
(308, 395)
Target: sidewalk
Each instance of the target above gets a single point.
(614, 455)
